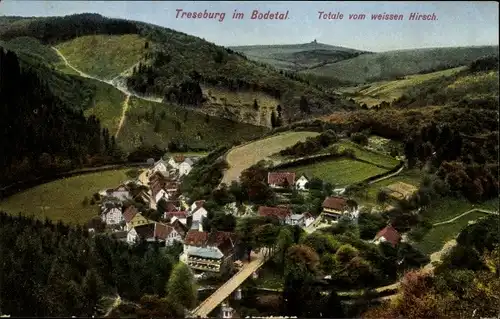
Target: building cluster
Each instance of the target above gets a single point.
(157, 188)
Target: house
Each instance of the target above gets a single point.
(161, 194)
(176, 215)
(308, 219)
(128, 215)
(154, 232)
(143, 197)
(121, 193)
(158, 176)
(112, 215)
(301, 183)
(227, 312)
(185, 167)
(179, 227)
(198, 211)
(176, 160)
(208, 251)
(280, 179)
(160, 166)
(334, 207)
(388, 234)
(283, 214)
(138, 220)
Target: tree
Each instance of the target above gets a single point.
(255, 105)
(223, 222)
(304, 105)
(382, 196)
(180, 288)
(283, 242)
(274, 120)
(300, 293)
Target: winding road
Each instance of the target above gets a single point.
(118, 83)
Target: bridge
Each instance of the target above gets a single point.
(224, 291)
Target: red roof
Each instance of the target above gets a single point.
(170, 207)
(279, 178)
(156, 230)
(178, 214)
(162, 231)
(390, 234)
(279, 212)
(217, 238)
(336, 203)
(129, 213)
(179, 227)
(196, 238)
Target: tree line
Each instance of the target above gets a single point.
(55, 270)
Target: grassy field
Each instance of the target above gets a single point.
(62, 199)
(369, 156)
(339, 172)
(296, 56)
(435, 239)
(476, 86)
(388, 91)
(388, 65)
(103, 56)
(240, 158)
(449, 208)
(107, 105)
(240, 104)
(369, 195)
(158, 123)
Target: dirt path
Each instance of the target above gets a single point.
(241, 157)
(464, 214)
(388, 176)
(124, 113)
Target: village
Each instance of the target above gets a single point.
(180, 220)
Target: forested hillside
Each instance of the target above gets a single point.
(53, 270)
(177, 64)
(448, 128)
(40, 131)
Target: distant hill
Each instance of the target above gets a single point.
(473, 86)
(177, 67)
(297, 56)
(392, 64)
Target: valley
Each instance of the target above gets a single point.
(307, 179)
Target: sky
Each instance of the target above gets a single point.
(461, 23)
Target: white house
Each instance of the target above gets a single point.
(199, 214)
(297, 219)
(121, 193)
(161, 194)
(300, 184)
(184, 168)
(176, 215)
(308, 219)
(112, 215)
(160, 166)
(176, 160)
(198, 211)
